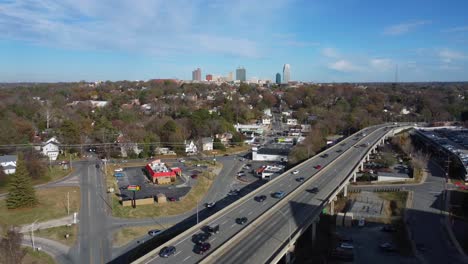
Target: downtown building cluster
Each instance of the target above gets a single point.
(241, 76)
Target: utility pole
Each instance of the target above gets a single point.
(68, 203)
(32, 235)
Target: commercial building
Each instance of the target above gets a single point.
(270, 154)
(230, 77)
(160, 174)
(196, 75)
(286, 73)
(241, 74)
(278, 78)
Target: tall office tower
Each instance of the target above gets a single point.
(196, 75)
(241, 74)
(286, 73)
(278, 78)
(230, 77)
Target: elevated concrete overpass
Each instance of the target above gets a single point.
(274, 225)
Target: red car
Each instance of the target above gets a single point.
(461, 186)
(318, 167)
(194, 176)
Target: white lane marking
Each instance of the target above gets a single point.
(233, 225)
(224, 222)
(213, 240)
(250, 213)
(178, 253)
(289, 185)
(186, 258)
(241, 210)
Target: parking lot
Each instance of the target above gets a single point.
(367, 241)
(137, 176)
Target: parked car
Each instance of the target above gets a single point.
(154, 232)
(172, 199)
(194, 176)
(295, 172)
(200, 237)
(260, 198)
(234, 192)
(278, 194)
(181, 160)
(167, 251)
(201, 248)
(389, 247)
(210, 205)
(241, 220)
(300, 179)
(388, 228)
(118, 174)
(212, 229)
(118, 170)
(346, 245)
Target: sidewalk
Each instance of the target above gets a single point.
(48, 224)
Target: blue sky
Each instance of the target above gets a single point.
(323, 41)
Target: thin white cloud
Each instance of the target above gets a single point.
(404, 28)
(381, 64)
(456, 29)
(330, 53)
(155, 27)
(448, 56)
(300, 44)
(343, 66)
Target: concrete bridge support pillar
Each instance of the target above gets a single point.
(287, 257)
(345, 191)
(354, 176)
(332, 207)
(367, 157)
(313, 232)
(361, 166)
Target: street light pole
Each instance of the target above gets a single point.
(32, 235)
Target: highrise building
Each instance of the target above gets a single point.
(209, 77)
(286, 73)
(241, 74)
(278, 78)
(230, 77)
(196, 75)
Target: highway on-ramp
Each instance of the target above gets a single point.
(270, 234)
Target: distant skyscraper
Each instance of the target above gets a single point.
(286, 73)
(196, 75)
(230, 77)
(209, 77)
(278, 78)
(241, 74)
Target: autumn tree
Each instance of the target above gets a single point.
(21, 191)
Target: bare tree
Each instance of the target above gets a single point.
(10, 247)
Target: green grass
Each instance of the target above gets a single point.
(58, 234)
(52, 174)
(52, 205)
(38, 257)
(125, 235)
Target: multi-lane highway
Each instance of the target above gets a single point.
(267, 236)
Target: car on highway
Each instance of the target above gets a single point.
(200, 237)
(212, 229)
(278, 194)
(343, 144)
(167, 251)
(295, 172)
(260, 198)
(201, 248)
(154, 232)
(210, 205)
(241, 220)
(313, 190)
(339, 150)
(300, 179)
(318, 167)
(324, 155)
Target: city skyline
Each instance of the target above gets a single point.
(325, 41)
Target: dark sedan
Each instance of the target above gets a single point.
(260, 198)
(202, 248)
(167, 251)
(241, 220)
(200, 238)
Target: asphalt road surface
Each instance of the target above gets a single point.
(270, 234)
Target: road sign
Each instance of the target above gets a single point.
(134, 187)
